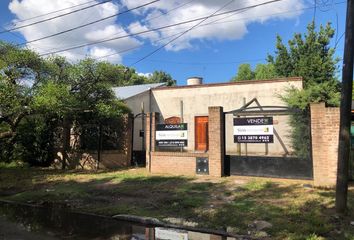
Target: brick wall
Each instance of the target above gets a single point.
(151, 120)
(184, 163)
(176, 163)
(324, 132)
(216, 141)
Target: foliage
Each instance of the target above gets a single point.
(20, 72)
(12, 165)
(310, 57)
(19, 68)
(264, 71)
(244, 72)
(36, 92)
(162, 77)
(38, 95)
(35, 141)
(54, 97)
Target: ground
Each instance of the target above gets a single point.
(294, 208)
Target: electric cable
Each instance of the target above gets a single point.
(211, 23)
(183, 33)
(158, 28)
(55, 17)
(87, 24)
(147, 19)
(49, 13)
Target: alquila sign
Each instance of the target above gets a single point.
(171, 135)
(253, 130)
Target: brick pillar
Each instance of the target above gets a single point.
(325, 135)
(129, 139)
(216, 141)
(150, 147)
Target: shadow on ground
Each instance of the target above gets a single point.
(295, 211)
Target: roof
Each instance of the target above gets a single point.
(130, 91)
(289, 79)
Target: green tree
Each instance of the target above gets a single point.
(244, 72)
(38, 94)
(309, 56)
(19, 68)
(84, 97)
(20, 72)
(162, 77)
(264, 71)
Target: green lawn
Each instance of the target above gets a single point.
(296, 212)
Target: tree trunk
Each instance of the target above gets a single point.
(66, 142)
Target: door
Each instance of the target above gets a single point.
(201, 133)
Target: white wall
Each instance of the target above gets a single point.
(134, 103)
(197, 99)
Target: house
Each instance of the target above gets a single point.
(190, 105)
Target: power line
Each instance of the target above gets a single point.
(55, 17)
(60, 10)
(217, 21)
(156, 29)
(166, 13)
(151, 18)
(87, 24)
(22, 38)
(133, 48)
(183, 33)
(274, 14)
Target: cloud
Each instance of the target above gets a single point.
(148, 75)
(228, 27)
(231, 26)
(109, 28)
(105, 54)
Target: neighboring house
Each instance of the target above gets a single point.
(138, 99)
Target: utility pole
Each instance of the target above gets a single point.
(345, 113)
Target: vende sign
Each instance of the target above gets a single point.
(171, 135)
(253, 130)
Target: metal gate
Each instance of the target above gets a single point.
(257, 143)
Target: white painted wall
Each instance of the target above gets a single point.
(197, 99)
(134, 103)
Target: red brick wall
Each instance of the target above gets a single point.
(184, 163)
(216, 141)
(153, 118)
(325, 134)
(109, 159)
(175, 163)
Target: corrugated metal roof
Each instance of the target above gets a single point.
(129, 91)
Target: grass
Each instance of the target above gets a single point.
(294, 211)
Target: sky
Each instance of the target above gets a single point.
(218, 36)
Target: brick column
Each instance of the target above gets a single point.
(325, 134)
(150, 147)
(216, 141)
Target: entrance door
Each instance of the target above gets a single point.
(201, 133)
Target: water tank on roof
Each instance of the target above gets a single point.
(194, 81)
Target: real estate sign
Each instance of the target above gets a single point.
(171, 135)
(253, 130)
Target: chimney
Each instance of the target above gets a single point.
(194, 81)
